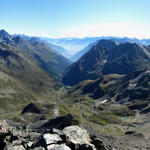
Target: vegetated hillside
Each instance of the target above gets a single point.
(22, 80)
(58, 49)
(123, 89)
(46, 57)
(49, 60)
(108, 57)
(115, 105)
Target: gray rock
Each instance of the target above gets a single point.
(59, 132)
(99, 144)
(51, 138)
(78, 138)
(58, 147)
(86, 147)
(18, 147)
(71, 137)
(47, 139)
(38, 148)
(4, 127)
(4, 133)
(77, 135)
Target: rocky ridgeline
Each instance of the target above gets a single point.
(55, 136)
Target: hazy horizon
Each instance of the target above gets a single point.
(76, 18)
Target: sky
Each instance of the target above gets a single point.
(76, 18)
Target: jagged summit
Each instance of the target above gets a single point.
(4, 34)
(108, 44)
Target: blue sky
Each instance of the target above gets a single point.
(76, 18)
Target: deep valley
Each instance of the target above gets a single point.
(44, 95)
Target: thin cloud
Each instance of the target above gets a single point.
(120, 29)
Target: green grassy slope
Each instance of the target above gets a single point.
(21, 80)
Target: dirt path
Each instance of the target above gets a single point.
(58, 99)
(59, 94)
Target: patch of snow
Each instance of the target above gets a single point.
(147, 72)
(105, 61)
(104, 101)
(132, 85)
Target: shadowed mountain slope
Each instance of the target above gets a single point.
(105, 58)
(40, 51)
(119, 88)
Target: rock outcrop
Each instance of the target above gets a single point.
(4, 131)
(31, 108)
(71, 137)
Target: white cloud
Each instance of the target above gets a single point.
(121, 29)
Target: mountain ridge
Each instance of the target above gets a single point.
(54, 63)
(104, 58)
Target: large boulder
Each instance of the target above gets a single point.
(77, 135)
(52, 138)
(58, 147)
(71, 137)
(78, 138)
(47, 139)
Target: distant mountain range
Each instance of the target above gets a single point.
(72, 44)
(107, 57)
(80, 53)
(74, 48)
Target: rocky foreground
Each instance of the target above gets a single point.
(62, 133)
